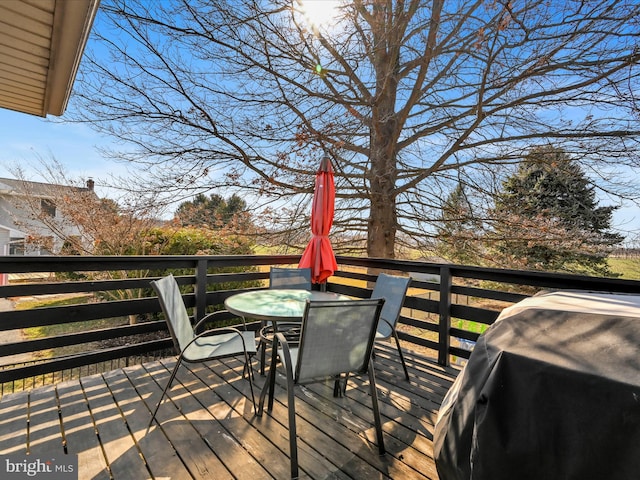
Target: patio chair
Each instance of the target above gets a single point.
(296, 278)
(280, 277)
(394, 290)
(336, 338)
(193, 348)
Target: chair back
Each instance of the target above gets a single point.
(394, 290)
(296, 278)
(174, 311)
(336, 337)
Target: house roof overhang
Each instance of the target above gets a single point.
(13, 233)
(41, 44)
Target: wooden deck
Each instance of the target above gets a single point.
(208, 429)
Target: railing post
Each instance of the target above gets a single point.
(444, 309)
(200, 289)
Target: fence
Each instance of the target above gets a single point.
(118, 319)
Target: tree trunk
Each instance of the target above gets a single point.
(383, 219)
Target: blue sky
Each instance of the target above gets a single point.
(24, 139)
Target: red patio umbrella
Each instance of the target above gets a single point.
(319, 255)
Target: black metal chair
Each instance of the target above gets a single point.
(394, 290)
(193, 348)
(336, 338)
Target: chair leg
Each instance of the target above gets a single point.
(166, 389)
(376, 408)
(291, 407)
(247, 366)
(247, 370)
(293, 435)
(337, 386)
(340, 386)
(404, 365)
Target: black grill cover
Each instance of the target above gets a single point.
(548, 394)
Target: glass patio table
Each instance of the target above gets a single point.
(276, 305)
(273, 306)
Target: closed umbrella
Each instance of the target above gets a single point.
(319, 255)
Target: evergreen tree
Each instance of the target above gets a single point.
(213, 212)
(459, 231)
(547, 217)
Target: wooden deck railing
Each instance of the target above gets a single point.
(446, 309)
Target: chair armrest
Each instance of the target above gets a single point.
(286, 354)
(281, 337)
(219, 313)
(387, 322)
(217, 331)
(391, 329)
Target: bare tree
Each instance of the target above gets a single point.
(408, 97)
(82, 223)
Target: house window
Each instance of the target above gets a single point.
(16, 247)
(48, 207)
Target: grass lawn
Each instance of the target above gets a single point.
(629, 267)
(63, 328)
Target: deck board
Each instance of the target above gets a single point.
(14, 421)
(120, 448)
(190, 447)
(45, 434)
(79, 431)
(206, 428)
(156, 449)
